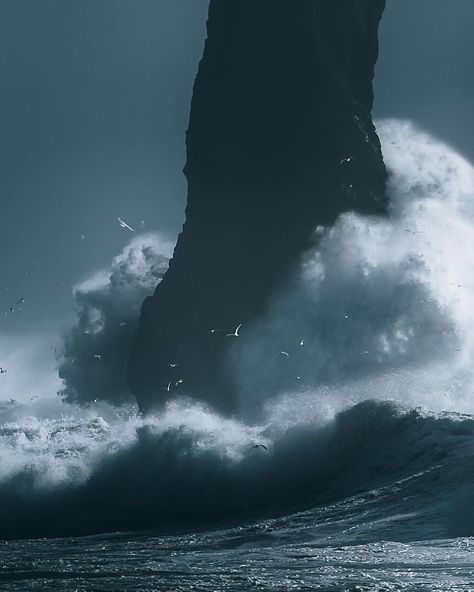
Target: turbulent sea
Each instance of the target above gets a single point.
(358, 476)
(380, 498)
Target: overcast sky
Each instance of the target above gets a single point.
(94, 101)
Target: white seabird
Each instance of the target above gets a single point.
(124, 224)
(235, 333)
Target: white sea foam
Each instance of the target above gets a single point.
(385, 305)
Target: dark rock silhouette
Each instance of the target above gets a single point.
(280, 140)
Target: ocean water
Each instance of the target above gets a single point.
(379, 498)
(358, 475)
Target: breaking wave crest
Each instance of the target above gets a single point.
(190, 467)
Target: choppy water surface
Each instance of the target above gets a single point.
(403, 531)
(265, 556)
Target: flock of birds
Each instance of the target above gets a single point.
(17, 306)
(235, 333)
(98, 356)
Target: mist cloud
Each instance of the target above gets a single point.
(93, 365)
(29, 362)
(376, 297)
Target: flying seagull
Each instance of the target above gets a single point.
(255, 446)
(180, 381)
(97, 356)
(3, 371)
(235, 333)
(168, 388)
(302, 343)
(347, 160)
(284, 353)
(213, 331)
(124, 224)
(173, 365)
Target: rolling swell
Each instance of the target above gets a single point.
(191, 468)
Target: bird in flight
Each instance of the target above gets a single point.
(168, 388)
(284, 353)
(180, 381)
(98, 356)
(302, 343)
(347, 160)
(124, 224)
(255, 446)
(173, 365)
(235, 333)
(213, 331)
(3, 371)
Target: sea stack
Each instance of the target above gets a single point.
(280, 140)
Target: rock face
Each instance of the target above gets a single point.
(280, 140)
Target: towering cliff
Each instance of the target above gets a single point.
(280, 140)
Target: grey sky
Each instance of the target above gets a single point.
(425, 70)
(93, 106)
(94, 100)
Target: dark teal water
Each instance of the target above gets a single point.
(377, 498)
